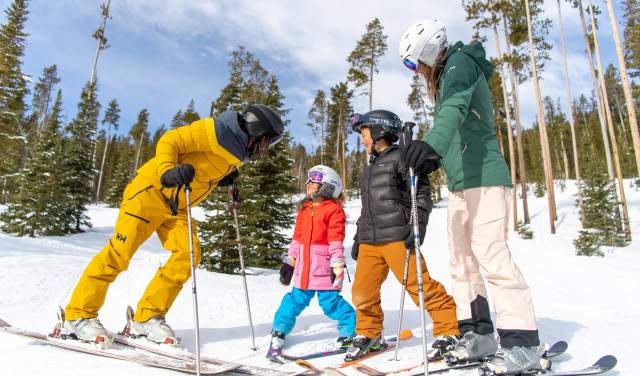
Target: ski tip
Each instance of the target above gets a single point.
(558, 347)
(606, 362)
(4, 324)
(406, 334)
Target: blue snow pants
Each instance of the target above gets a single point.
(332, 303)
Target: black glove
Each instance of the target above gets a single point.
(179, 175)
(286, 273)
(355, 249)
(410, 241)
(229, 179)
(420, 156)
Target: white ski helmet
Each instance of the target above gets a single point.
(422, 42)
(328, 178)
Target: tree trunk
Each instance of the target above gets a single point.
(519, 144)
(624, 134)
(137, 161)
(104, 157)
(614, 144)
(322, 140)
(512, 154)
(631, 110)
(542, 127)
(574, 142)
(565, 159)
(596, 89)
(371, 81)
(344, 159)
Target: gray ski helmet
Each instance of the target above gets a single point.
(381, 123)
(261, 121)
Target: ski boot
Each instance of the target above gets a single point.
(344, 343)
(472, 346)
(275, 347)
(362, 346)
(88, 329)
(155, 329)
(515, 360)
(441, 346)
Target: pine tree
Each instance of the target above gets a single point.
(631, 15)
(111, 119)
(365, 58)
(41, 100)
(417, 101)
(318, 113)
(78, 165)
(265, 185)
(39, 208)
(340, 112)
(188, 116)
(13, 90)
(601, 217)
(121, 173)
(140, 135)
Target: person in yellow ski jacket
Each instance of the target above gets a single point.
(204, 154)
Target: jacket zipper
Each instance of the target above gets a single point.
(373, 225)
(307, 255)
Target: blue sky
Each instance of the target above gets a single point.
(163, 53)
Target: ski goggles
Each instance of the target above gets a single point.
(315, 177)
(410, 64)
(254, 125)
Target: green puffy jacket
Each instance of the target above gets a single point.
(464, 132)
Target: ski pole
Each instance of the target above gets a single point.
(407, 133)
(232, 196)
(404, 290)
(196, 319)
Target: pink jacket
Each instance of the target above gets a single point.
(317, 244)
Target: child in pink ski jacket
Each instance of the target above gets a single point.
(316, 261)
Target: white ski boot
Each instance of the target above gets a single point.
(441, 346)
(88, 329)
(516, 360)
(155, 329)
(473, 346)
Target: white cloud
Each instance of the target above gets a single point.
(308, 41)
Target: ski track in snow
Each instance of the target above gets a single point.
(590, 302)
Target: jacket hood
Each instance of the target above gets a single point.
(230, 136)
(477, 52)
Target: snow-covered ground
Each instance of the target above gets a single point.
(593, 303)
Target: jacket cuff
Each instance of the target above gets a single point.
(294, 249)
(336, 250)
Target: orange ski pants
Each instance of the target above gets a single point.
(372, 268)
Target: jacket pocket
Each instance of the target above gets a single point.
(321, 266)
(140, 191)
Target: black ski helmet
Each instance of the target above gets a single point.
(381, 123)
(261, 121)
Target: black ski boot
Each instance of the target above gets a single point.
(344, 343)
(441, 346)
(362, 346)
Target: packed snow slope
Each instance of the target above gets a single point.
(590, 302)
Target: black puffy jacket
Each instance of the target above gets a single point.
(386, 200)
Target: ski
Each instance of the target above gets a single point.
(602, 365)
(371, 354)
(118, 351)
(174, 352)
(330, 371)
(405, 335)
(557, 349)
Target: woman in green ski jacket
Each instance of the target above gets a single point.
(463, 140)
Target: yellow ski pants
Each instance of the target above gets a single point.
(143, 210)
